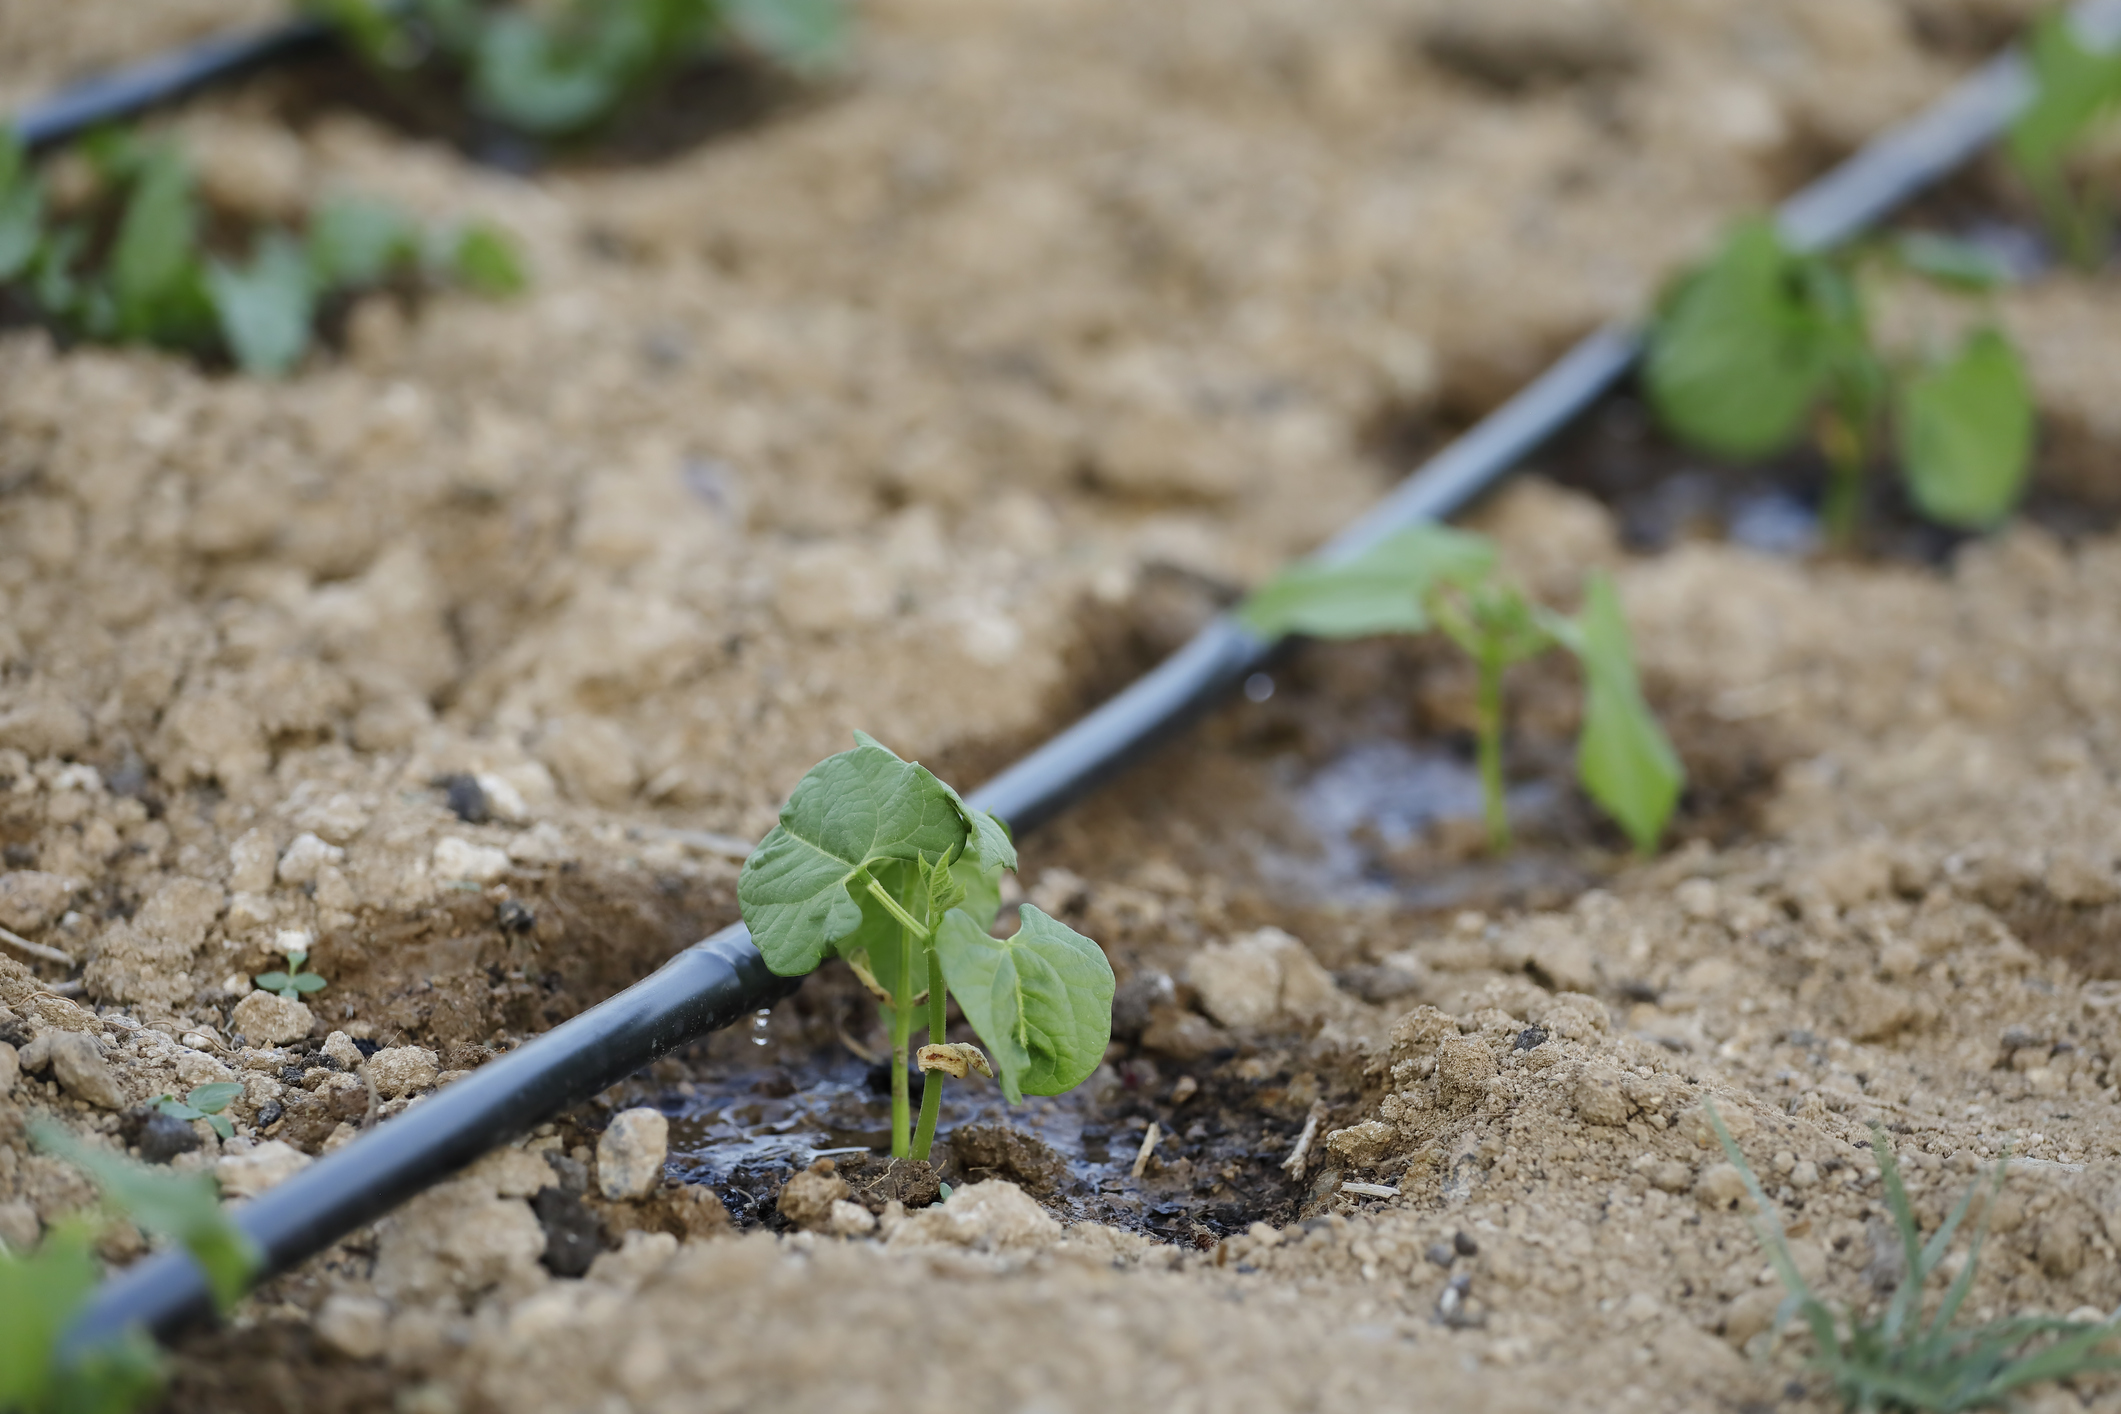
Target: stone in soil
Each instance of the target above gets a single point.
(76, 1061)
(269, 1019)
(574, 1236)
(807, 1198)
(630, 1153)
(159, 1137)
(992, 1215)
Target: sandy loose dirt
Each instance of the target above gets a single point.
(937, 404)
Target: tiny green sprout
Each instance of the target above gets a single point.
(2075, 89)
(878, 862)
(41, 1292)
(1898, 1358)
(293, 983)
(567, 69)
(134, 265)
(204, 1102)
(1432, 577)
(1763, 340)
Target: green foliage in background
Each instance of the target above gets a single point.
(561, 70)
(2076, 89)
(1432, 577)
(1902, 1357)
(1763, 342)
(134, 267)
(41, 1292)
(877, 861)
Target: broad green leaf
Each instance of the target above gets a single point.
(177, 1109)
(272, 981)
(213, 1098)
(2073, 86)
(307, 982)
(1623, 758)
(849, 813)
(803, 34)
(354, 241)
(1738, 356)
(527, 77)
(221, 1125)
(183, 1207)
(1383, 590)
(1966, 434)
(485, 262)
(1951, 261)
(264, 308)
(1041, 999)
(156, 251)
(983, 890)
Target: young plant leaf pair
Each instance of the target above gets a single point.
(1432, 577)
(877, 861)
(41, 1292)
(561, 70)
(295, 981)
(134, 269)
(2076, 89)
(1897, 1359)
(204, 1102)
(1763, 340)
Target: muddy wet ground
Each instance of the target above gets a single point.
(941, 402)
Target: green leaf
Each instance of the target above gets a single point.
(265, 307)
(849, 813)
(354, 241)
(177, 1109)
(2073, 86)
(307, 982)
(484, 261)
(529, 78)
(1966, 434)
(1738, 356)
(21, 208)
(1623, 758)
(40, 1294)
(1951, 261)
(272, 981)
(221, 1125)
(1041, 999)
(803, 34)
(1383, 590)
(156, 251)
(183, 1207)
(213, 1098)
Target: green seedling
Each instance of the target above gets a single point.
(1431, 577)
(204, 1102)
(134, 265)
(2076, 89)
(561, 70)
(41, 1292)
(1904, 1357)
(878, 862)
(294, 983)
(1763, 341)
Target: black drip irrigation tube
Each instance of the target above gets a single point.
(722, 979)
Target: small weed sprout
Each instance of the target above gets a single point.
(877, 861)
(41, 1292)
(131, 265)
(1762, 341)
(295, 982)
(562, 70)
(204, 1102)
(2075, 90)
(1898, 1359)
(1431, 577)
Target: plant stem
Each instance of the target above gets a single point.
(1488, 711)
(901, 1031)
(1842, 442)
(932, 1081)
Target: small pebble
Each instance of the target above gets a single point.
(1464, 1244)
(631, 1152)
(1441, 1254)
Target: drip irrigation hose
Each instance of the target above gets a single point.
(713, 983)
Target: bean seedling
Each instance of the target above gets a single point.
(204, 1102)
(2075, 89)
(41, 1292)
(132, 265)
(877, 861)
(561, 70)
(1763, 339)
(1898, 1360)
(295, 982)
(1431, 577)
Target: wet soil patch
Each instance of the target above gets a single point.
(717, 98)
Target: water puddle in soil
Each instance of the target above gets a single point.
(1215, 1168)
